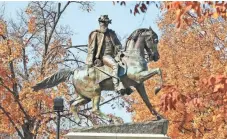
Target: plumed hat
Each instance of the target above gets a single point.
(104, 18)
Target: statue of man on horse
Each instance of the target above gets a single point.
(104, 72)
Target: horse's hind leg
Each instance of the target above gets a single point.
(95, 103)
(77, 102)
(80, 100)
(95, 106)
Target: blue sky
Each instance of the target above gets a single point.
(82, 23)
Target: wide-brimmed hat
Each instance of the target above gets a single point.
(104, 18)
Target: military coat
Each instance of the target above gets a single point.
(95, 44)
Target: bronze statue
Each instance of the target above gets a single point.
(90, 80)
(103, 46)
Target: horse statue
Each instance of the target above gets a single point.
(89, 82)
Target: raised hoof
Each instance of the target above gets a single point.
(157, 89)
(127, 91)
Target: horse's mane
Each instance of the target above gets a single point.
(135, 34)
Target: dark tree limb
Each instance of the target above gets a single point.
(11, 120)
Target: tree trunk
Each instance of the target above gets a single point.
(27, 132)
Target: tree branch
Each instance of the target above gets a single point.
(11, 120)
(55, 24)
(102, 103)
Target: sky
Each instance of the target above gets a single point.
(82, 23)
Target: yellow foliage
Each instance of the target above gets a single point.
(2, 28)
(194, 92)
(18, 102)
(215, 15)
(32, 25)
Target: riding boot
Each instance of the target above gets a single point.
(110, 62)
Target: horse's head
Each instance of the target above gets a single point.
(143, 38)
(151, 42)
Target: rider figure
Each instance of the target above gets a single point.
(103, 46)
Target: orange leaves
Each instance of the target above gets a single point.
(7, 99)
(218, 87)
(202, 10)
(34, 102)
(196, 10)
(215, 15)
(32, 24)
(139, 7)
(56, 44)
(2, 28)
(173, 5)
(10, 50)
(24, 59)
(169, 100)
(217, 83)
(221, 8)
(194, 97)
(28, 11)
(31, 21)
(193, 104)
(181, 8)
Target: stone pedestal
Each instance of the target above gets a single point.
(147, 130)
(84, 135)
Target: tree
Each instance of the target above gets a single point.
(30, 50)
(193, 60)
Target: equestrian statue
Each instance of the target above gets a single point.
(110, 68)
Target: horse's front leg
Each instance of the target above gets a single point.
(141, 90)
(145, 75)
(74, 106)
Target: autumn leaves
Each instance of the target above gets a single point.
(193, 61)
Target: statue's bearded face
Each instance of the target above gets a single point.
(103, 26)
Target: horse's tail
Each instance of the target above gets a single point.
(54, 79)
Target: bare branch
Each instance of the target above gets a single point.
(55, 24)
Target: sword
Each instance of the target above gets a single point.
(102, 71)
(105, 72)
